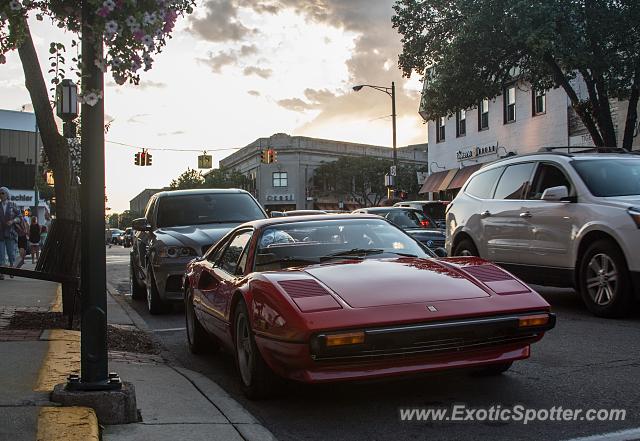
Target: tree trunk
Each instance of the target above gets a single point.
(632, 114)
(55, 145)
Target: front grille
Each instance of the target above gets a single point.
(430, 338)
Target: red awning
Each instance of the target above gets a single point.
(433, 181)
(462, 175)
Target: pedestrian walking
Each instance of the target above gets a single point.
(34, 239)
(9, 216)
(22, 227)
(44, 232)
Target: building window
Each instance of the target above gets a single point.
(280, 179)
(483, 114)
(539, 102)
(461, 123)
(509, 99)
(440, 129)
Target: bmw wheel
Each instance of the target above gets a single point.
(603, 280)
(135, 287)
(155, 304)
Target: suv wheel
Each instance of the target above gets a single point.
(603, 280)
(135, 287)
(154, 303)
(466, 248)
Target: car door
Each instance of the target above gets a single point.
(218, 286)
(551, 222)
(506, 228)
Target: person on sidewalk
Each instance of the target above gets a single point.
(9, 216)
(22, 227)
(34, 239)
(43, 235)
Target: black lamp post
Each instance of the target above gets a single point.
(391, 91)
(67, 106)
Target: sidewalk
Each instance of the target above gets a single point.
(174, 403)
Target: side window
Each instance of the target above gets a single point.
(547, 176)
(229, 261)
(514, 182)
(148, 210)
(481, 185)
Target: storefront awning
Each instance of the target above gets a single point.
(462, 175)
(447, 179)
(433, 181)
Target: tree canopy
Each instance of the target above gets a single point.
(470, 49)
(216, 178)
(361, 178)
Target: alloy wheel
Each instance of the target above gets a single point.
(602, 279)
(244, 349)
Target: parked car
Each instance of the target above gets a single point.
(127, 237)
(332, 298)
(296, 213)
(112, 235)
(179, 226)
(412, 221)
(433, 209)
(560, 219)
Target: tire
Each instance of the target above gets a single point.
(466, 248)
(198, 339)
(155, 304)
(495, 369)
(136, 289)
(603, 280)
(257, 379)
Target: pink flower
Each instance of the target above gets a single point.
(103, 12)
(138, 35)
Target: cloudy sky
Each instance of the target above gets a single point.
(237, 70)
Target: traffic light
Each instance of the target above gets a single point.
(137, 160)
(143, 158)
(149, 158)
(274, 156)
(265, 156)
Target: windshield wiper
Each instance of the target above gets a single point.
(402, 254)
(354, 252)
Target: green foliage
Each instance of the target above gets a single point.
(126, 218)
(226, 178)
(189, 179)
(113, 220)
(476, 46)
(361, 178)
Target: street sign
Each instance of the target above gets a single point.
(389, 181)
(205, 161)
(392, 170)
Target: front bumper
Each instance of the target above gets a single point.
(406, 349)
(168, 274)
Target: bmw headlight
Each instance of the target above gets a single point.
(174, 252)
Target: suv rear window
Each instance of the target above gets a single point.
(610, 177)
(481, 185)
(207, 208)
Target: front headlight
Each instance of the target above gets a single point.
(635, 215)
(172, 252)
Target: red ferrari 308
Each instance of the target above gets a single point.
(347, 297)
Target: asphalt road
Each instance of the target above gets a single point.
(584, 363)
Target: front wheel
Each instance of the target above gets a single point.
(197, 338)
(603, 280)
(135, 287)
(258, 380)
(465, 248)
(155, 304)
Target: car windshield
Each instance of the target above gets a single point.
(435, 211)
(207, 208)
(610, 177)
(309, 242)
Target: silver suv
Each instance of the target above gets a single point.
(558, 219)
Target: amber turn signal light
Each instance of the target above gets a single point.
(347, 338)
(533, 320)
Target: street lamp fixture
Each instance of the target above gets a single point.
(67, 106)
(391, 91)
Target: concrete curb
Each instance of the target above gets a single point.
(242, 420)
(245, 423)
(68, 423)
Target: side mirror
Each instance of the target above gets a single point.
(440, 252)
(555, 193)
(141, 224)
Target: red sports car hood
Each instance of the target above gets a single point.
(382, 282)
